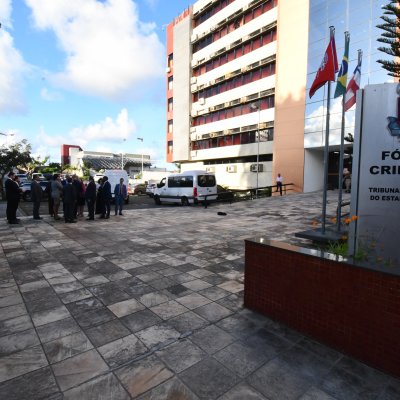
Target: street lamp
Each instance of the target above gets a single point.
(141, 139)
(254, 107)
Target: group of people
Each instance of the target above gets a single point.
(72, 192)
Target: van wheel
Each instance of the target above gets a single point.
(184, 201)
(157, 200)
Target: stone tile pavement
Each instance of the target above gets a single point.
(149, 306)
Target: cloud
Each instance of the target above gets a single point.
(12, 67)
(47, 95)
(109, 52)
(99, 134)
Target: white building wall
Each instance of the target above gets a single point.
(181, 99)
(313, 172)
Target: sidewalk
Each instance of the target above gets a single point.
(150, 306)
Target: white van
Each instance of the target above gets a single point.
(186, 188)
(113, 175)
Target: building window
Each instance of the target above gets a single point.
(244, 48)
(170, 126)
(170, 105)
(169, 147)
(170, 61)
(170, 83)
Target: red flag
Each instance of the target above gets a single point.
(353, 86)
(328, 68)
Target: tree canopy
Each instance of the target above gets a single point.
(17, 155)
(390, 37)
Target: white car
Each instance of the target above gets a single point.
(150, 189)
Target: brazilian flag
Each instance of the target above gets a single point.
(342, 77)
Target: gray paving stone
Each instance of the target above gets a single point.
(169, 309)
(238, 326)
(67, 346)
(193, 300)
(104, 387)
(240, 358)
(76, 295)
(153, 299)
(35, 385)
(14, 325)
(107, 332)
(57, 329)
(213, 312)
(276, 381)
(197, 284)
(18, 341)
(214, 293)
(48, 316)
(187, 323)
(78, 369)
(109, 293)
(392, 390)
(122, 350)
(242, 392)
(181, 355)
(315, 394)
(172, 389)
(208, 379)
(22, 362)
(10, 300)
(143, 375)
(12, 311)
(94, 317)
(126, 307)
(157, 335)
(211, 339)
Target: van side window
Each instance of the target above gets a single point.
(180, 181)
(206, 180)
(186, 181)
(173, 182)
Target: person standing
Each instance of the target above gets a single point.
(279, 181)
(107, 196)
(50, 197)
(69, 200)
(56, 191)
(120, 194)
(12, 195)
(36, 196)
(99, 198)
(90, 196)
(79, 192)
(347, 180)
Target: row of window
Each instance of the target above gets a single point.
(266, 135)
(235, 24)
(237, 81)
(239, 160)
(235, 111)
(246, 47)
(217, 7)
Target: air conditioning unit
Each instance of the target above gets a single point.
(193, 136)
(231, 168)
(210, 169)
(212, 109)
(193, 153)
(253, 168)
(193, 80)
(245, 69)
(194, 63)
(199, 136)
(244, 99)
(193, 88)
(212, 82)
(213, 134)
(192, 129)
(194, 113)
(167, 70)
(227, 131)
(202, 101)
(194, 38)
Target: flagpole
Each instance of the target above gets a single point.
(326, 150)
(341, 156)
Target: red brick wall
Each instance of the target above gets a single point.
(354, 310)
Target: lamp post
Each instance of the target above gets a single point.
(257, 107)
(141, 139)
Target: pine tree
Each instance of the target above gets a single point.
(391, 37)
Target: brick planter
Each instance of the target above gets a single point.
(354, 310)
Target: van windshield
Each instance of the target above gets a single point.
(206, 180)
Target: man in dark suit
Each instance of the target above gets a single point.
(120, 194)
(107, 197)
(70, 198)
(78, 187)
(12, 194)
(90, 196)
(36, 196)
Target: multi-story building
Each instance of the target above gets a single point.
(237, 76)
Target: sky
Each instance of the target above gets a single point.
(85, 72)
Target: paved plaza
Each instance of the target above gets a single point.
(149, 305)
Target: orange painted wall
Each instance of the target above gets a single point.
(290, 91)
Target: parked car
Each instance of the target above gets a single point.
(224, 194)
(23, 178)
(41, 176)
(26, 190)
(138, 188)
(150, 189)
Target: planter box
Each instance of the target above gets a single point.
(354, 310)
